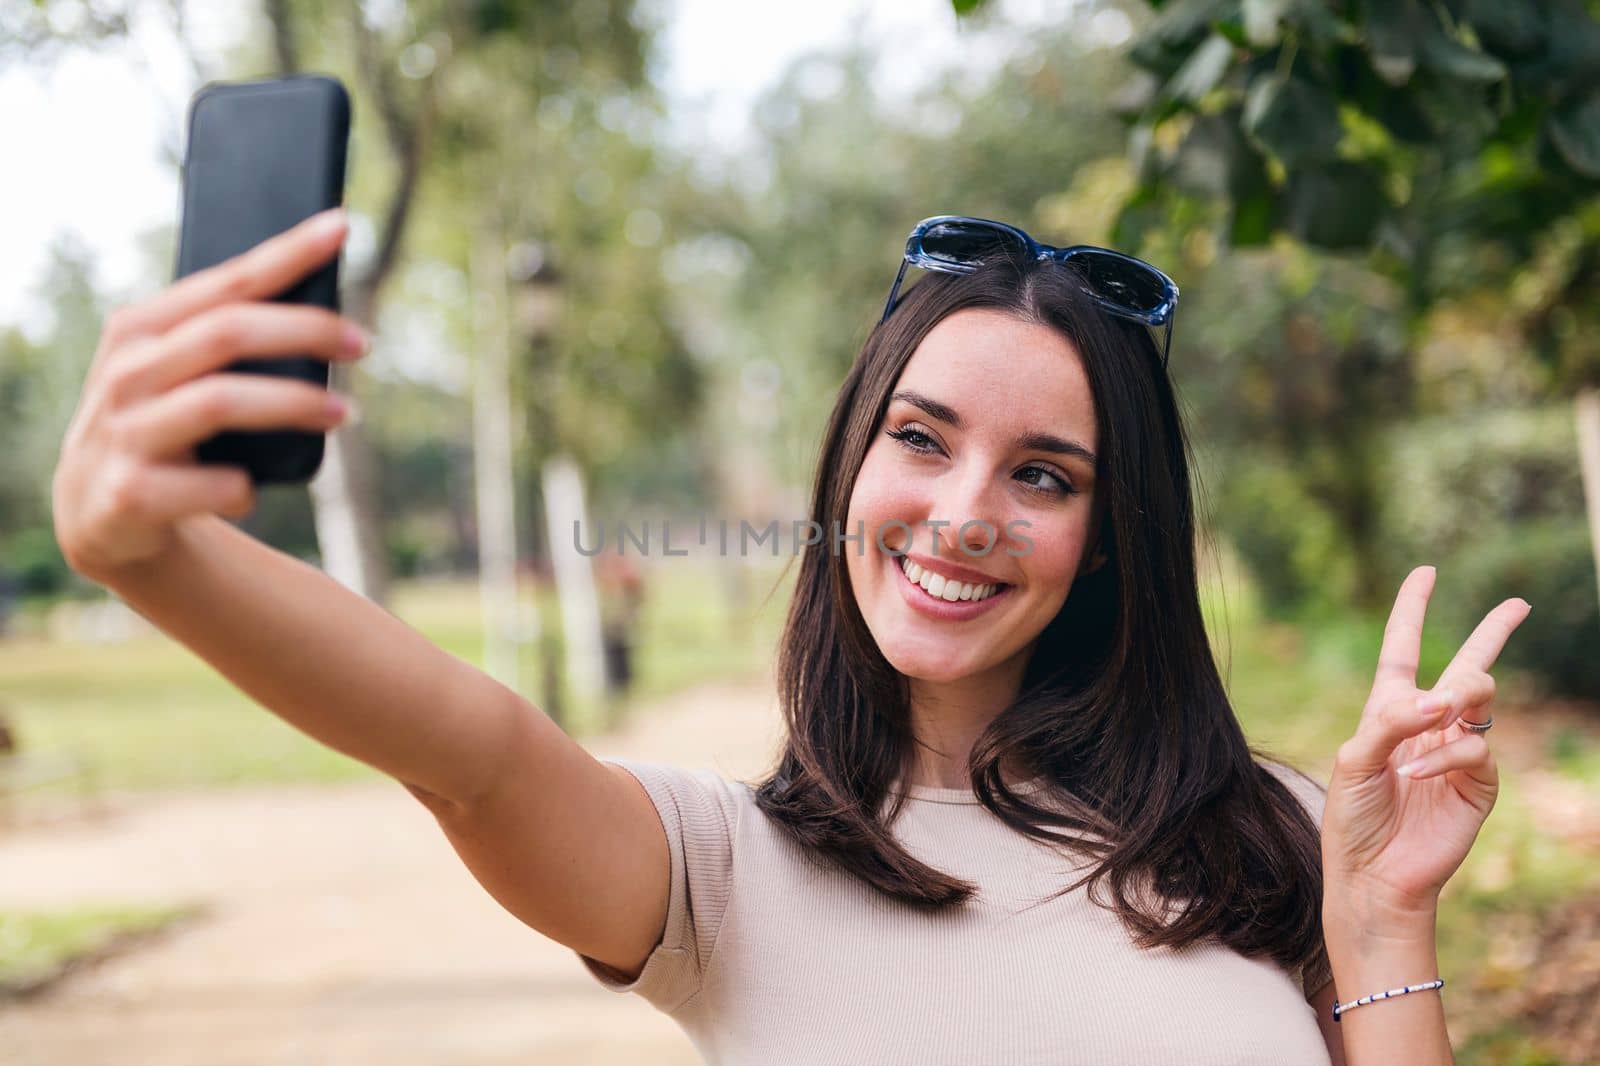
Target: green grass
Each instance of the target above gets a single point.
(149, 714)
(36, 946)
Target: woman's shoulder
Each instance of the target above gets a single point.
(689, 788)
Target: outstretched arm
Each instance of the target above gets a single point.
(571, 846)
(327, 661)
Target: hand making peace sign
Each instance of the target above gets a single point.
(1396, 838)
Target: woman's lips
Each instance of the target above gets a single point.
(921, 601)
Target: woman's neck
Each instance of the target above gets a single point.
(947, 717)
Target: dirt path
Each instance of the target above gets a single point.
(342, 928)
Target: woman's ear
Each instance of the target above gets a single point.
(1096, 561)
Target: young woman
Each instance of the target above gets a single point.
(1014, 818)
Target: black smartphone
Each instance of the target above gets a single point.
(261, 157)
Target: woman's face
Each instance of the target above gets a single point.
(988, 416)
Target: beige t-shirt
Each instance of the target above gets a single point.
(768, 959)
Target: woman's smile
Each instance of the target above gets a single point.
(928, 592)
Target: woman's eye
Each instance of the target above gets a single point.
(918, 442)
(909, 439)
(1063, 487)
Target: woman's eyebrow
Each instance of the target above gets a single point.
(1032, 441)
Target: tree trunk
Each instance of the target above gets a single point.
(344, 497)
(1587, 406)
(494, 480)
(344, 494)
(575, 585)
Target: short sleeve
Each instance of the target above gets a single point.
(699, 810)
(1314, 798)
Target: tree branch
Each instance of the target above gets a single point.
(283, 41)
(405, 135)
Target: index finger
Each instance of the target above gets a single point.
(1483, 647)
(260, 273)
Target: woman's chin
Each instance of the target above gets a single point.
(937, 665)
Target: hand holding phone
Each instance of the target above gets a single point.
(263, 156)
(127, 474)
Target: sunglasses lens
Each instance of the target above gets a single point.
(1132, 285)
(966, 242)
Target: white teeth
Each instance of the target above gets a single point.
(938, 586)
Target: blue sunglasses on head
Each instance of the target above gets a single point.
(1125, 286)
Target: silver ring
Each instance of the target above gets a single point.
(1477, 727)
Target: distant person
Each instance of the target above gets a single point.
(621, 589)
(9, 588)
(1014, 818)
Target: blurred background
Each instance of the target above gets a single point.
(618, 256)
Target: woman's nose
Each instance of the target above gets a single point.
(971, 509)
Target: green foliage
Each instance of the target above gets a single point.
(800, 249)
(33, 559)
(1292, 545)
(546, 133)
(1293, 119)
(1495, 502)
(1550, 564)
(20, 496)
(406, 551)
(40, 381)
(1456, 146)
(39, 385)
(1457, 476)
(283, 517)
(1404, 128)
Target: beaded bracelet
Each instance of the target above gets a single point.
(1340, 1008)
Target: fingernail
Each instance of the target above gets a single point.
(1407, 769)
(344, 408)
(329, 221)
(356, 341)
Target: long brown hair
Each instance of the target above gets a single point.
(1122, 710)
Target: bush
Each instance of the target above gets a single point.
(1550, 564)
(1456, 478)
(1495, 501)
(34, 560)
(284, 518)
(407, 553)
(1292, 546)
